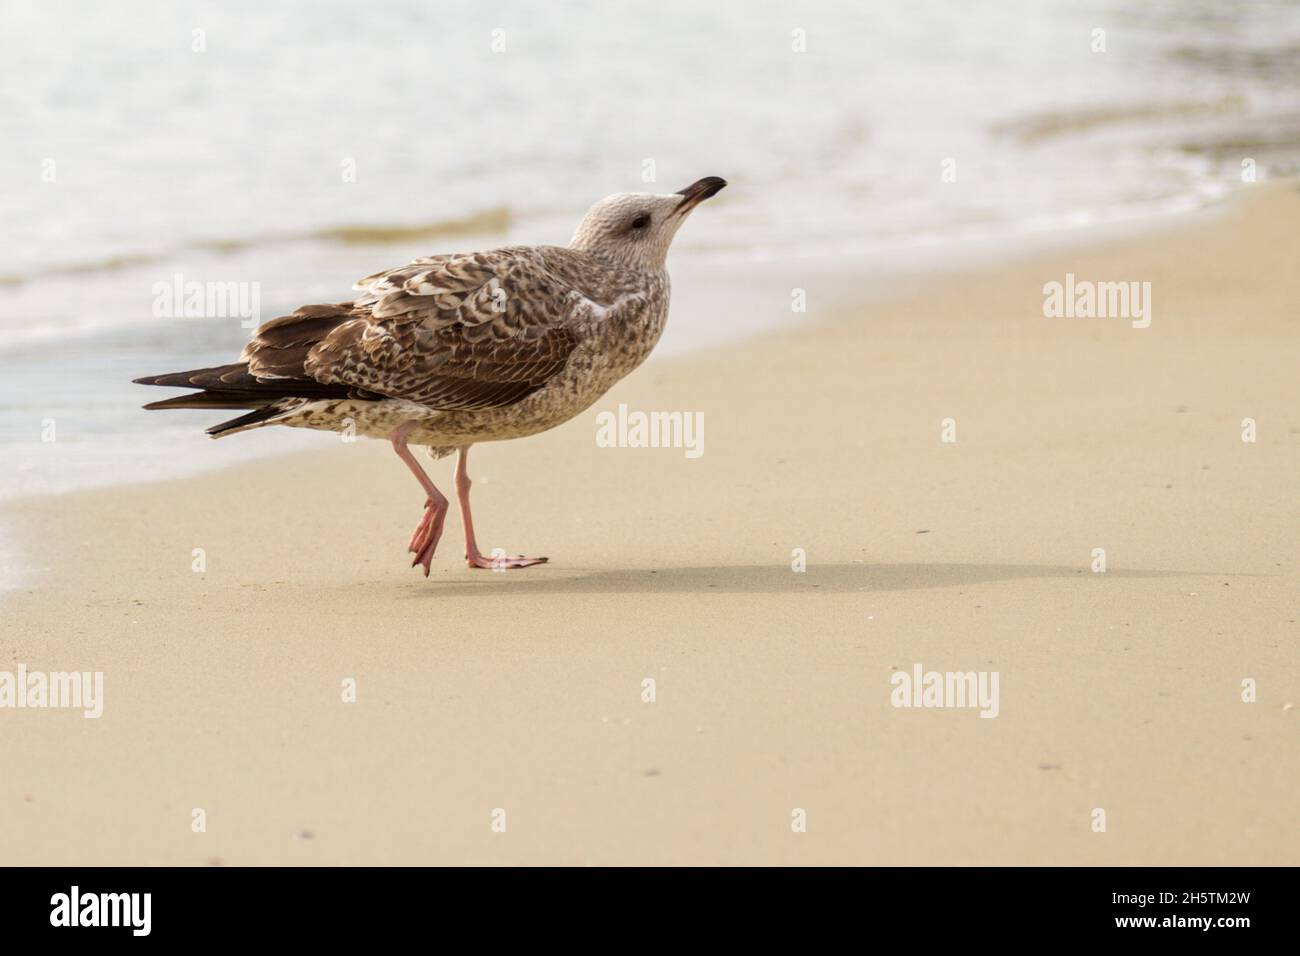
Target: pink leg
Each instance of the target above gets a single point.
(425, 539)
(473, 556)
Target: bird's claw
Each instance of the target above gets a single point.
(501, 562)
(425, 539)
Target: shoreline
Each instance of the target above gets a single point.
(524, 691)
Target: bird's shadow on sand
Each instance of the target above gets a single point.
(762, 579)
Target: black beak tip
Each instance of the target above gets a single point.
(703, 189)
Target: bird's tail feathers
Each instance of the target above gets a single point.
(235, 386)
(253, 419)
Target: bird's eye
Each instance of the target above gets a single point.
(641, 221)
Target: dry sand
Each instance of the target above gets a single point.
(522, 690)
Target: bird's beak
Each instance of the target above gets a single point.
(696, 193)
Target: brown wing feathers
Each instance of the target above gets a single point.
(439, 369)
(279, 350)
(447, 332)
(479, 330)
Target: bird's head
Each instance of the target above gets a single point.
(635, 229)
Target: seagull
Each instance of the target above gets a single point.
(451, 350)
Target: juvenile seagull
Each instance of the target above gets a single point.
(456, 349)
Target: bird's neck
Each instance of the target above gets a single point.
(620, 256)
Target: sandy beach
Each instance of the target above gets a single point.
(523, 691)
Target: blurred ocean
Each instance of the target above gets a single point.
(300, 146)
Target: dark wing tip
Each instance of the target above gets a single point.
(171, 379)
(252, 418)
